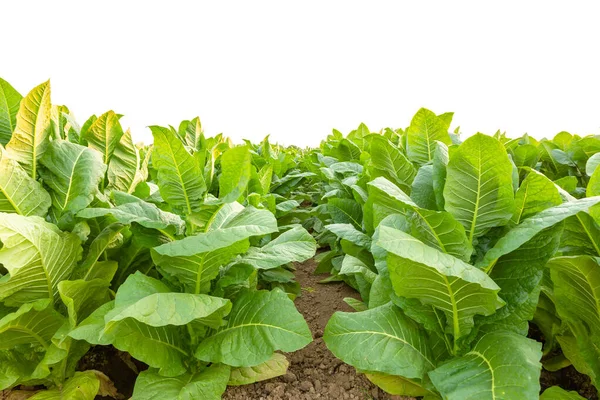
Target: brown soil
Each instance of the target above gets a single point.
(314, 373)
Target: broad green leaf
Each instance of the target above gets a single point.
(19, 192)
(425, 129)
(345, 211)
(478, 190)
(527, 229)
(518, 274)
(194, 135)
(581, 235)
(438, 279)
(577, 289)
(381, 339)
(131, 209)
(125, 169)
(31, 135)
(388, 161)
(277, 365)
(593, 188)
(162, 309)
(37, 256)
(195, 260)
(558, 393)
(535, 194)
(159, 347)
(73, 173)
(592, 164)
(440, 162)
(351, 234)
(208, 384)
(362, 277)
(9, 106)
(92, 267)
(501, 366)
(437, 229)
(32, 324)
(235, 173)
(104, 135)
(179, 176)
(15, 367)
(295, 245)
(260, 323)
(422, 192)
(82, 386)
(83, 297)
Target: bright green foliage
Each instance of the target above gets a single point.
(9, 106)
(31, 134)
(159, 251)
(181, 254)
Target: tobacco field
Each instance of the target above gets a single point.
(467, 266)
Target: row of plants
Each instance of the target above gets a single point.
(178, 254)
(455, 248)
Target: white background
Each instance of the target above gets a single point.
(296, 70)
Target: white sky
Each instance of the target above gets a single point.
(296, 70)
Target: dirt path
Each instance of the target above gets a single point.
(314, 372)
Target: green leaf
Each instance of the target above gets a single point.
(351, 234)
(422, 191)
(162, 308)
(159, 347)
(388, 161)
(535, 194)
(478, 190)
(527, 229)
(592, 164)
(577, 289)
(179, 176)
(558, 393)
(195, 260)
(501, 366)
(32, 324)
(235, 173)
(31, 135)
(360, 274)
(277, 365)
(92, 267)
(581, 236)
(104, 135)
(425, 129)
(437, 229)
(381, 339)
(208, 384)
(82, 386)
(125, 169)
(9, 106)
(294, 245)
(37, 256)
(73, 173)
(518, 274)
(345, 211)
(440, 162)
(130, 209)
(438, 279)
(83, 297)
(260, 323)
(19, 192)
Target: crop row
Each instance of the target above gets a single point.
(181, 254)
